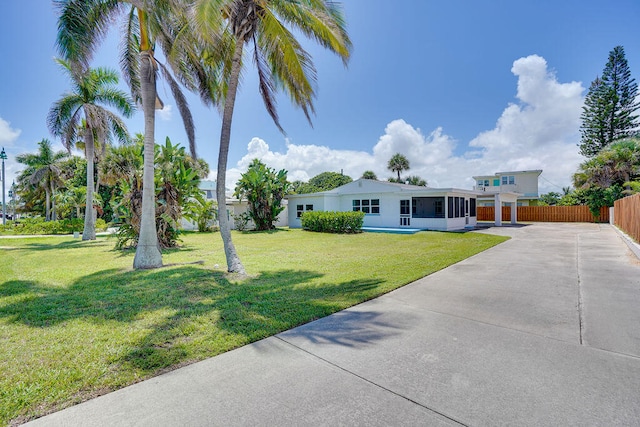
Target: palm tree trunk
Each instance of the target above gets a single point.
(234, 265)
(147, 252)
(89, 231)
(47, 204)
(53, 202)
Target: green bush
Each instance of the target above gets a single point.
(38, 225)
(101, 225)
(333, 222)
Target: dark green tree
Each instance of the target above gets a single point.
(369, 175)
(608, 112)
(329, 180)
(550, 199)
(264, 189)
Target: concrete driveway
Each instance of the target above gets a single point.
(541, 330)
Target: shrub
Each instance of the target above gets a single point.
(101, 224)
(333, 222)
(38, 225)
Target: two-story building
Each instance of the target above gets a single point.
(522, 183)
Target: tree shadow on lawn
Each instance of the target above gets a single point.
(66, 244)
(198, 304)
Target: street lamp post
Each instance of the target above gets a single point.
(3, 156)
(12, 202)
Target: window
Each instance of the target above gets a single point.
(472, 207)
(209, 194)
(483, 183)
(456, 207)
(405, 207)
(300, 209)
(508, 180)
(368, 206)
(375, 206)
(427, 207)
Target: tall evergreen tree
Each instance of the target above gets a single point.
(608, 113)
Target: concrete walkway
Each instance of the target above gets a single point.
(541, 330)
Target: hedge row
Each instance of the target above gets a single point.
(333, 222)
(40, 226)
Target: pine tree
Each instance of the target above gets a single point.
(594, 120)
(609, 106)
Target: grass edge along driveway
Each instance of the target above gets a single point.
(77, 322)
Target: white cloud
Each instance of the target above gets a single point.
(7, 133)
(540, 132)
(166, 113)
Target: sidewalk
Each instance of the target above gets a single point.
(543, 329)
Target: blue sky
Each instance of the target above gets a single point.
(461, 88)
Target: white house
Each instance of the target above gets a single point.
(522, 183)
(391, 205)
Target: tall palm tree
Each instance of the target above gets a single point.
(43, 169)
(398, 163)
(92, 90)
(280, 60)
(82, 24)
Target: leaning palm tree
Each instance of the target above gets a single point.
(146, 23)
(279, 58)
(92, 90)
(398, 163)
(44, 169)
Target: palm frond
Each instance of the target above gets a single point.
(183, 107)
(82, 25)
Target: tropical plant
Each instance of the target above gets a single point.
(369, 175)
(280, 60)
(84, 107)
(416, 180)
(610, 104)
(177, 177)
(264, 189)
(43, 170)
(618, 163)
(398, 163)
(203, 212)
(82, 24)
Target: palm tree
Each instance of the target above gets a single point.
(280, 61)
(43, 168)
(82, 24)
(416, 180)
(398, 163)
(92, 88)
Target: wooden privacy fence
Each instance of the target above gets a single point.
(627, 215)
(545, 214)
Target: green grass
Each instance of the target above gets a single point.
(76, 321)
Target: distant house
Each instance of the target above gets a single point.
(522, 183)
(392, 205)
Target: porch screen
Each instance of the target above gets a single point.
(427, 207)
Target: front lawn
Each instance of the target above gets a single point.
(76, 321)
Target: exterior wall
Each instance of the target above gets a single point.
(389, 205)
(526, 183)
(319, 202)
